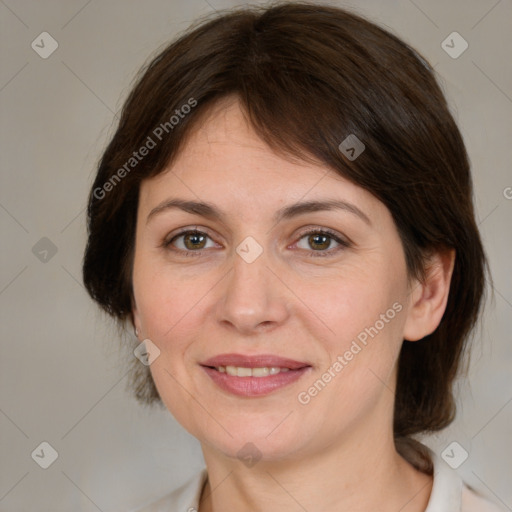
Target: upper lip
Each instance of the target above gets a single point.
(254, 361)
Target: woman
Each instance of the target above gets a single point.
(284, 215)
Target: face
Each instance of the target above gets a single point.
(319, 292)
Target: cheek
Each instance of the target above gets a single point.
(357, 303)
(365, 314)
(164, 299)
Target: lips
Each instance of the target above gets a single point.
(257, 361)
(231, 373)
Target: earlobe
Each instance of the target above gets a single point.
(135, 319)
(429, 297)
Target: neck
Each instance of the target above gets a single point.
(362, 472)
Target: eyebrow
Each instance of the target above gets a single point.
(210, 211)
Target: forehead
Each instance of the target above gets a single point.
(225, 161)
(224, 138)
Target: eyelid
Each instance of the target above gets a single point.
(185, 231)
(343, 241)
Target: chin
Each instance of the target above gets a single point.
(262, 442)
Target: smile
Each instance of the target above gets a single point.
(240, 371)
(253, 375)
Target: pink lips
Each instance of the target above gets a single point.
(254, 386)
(258, 361)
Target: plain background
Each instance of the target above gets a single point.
(63, 380)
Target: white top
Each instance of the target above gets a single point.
(449, 494)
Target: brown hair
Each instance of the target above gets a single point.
(308, 76)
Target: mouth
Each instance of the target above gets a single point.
(241, 371)
(252, 376)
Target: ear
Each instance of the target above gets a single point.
(428, 298)
(135, 318)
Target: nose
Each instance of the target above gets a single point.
(253, 299)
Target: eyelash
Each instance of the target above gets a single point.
(343, 244)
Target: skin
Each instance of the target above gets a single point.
(337, 451)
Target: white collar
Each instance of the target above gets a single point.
(446, 488)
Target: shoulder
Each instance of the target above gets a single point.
(183, 499)
(473, 502)
(449, 492)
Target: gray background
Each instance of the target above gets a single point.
(62, 377)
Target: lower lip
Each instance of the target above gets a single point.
(254, 386)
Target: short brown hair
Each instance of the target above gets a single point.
(307, 76)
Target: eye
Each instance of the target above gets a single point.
(321, 240)
(190, 241)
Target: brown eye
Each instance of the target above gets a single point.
(188, 241)
(194, 240)
(320, 241)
